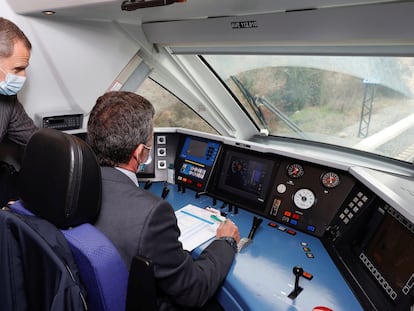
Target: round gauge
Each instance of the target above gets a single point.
(330, 179)
(304, 198)
(281, 188)
(295, 170)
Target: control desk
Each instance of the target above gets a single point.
(333, 236)
(261, 277)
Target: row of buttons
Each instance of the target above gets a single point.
(211, 153)
(353, 207)
(194, 171)
(406, 289)
(293, 219)
(304, 245)
(161, 151)
(281, 228)
(189, 181)
(307, 250)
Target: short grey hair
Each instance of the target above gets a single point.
(9, 35)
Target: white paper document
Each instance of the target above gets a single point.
(197, 226)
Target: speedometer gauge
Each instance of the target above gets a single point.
(330, 179)
(295, 170)
(304, 198)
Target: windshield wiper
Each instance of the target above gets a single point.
(292, 125)
(251, 101)
(256, 101)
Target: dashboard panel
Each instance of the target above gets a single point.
(195, 162)
(306, 196)
(244, 178)
(363, 217)
(376, 255)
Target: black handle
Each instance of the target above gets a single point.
(256, 223)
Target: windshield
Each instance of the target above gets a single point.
(364, 103)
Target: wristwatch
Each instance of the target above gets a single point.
(231, 241)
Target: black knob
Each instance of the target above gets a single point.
(298, 270)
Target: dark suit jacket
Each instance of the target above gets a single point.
(14, 122)
(37, 268)
(139, 222)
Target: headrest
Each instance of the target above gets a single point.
(60, 179)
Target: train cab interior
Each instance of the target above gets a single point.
(295, 119)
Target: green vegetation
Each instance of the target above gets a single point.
(317, 101)
(179, 115)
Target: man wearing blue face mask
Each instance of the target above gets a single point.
(15, 50)
(120, 131)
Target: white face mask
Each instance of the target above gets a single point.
(141, 167)
(11, 84)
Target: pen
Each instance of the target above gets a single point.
(214, 217)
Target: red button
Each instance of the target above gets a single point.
(272, 224)
(307, 275)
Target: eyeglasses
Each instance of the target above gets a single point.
(146, 147)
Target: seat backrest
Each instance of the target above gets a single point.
(60, 181)
(101, 268)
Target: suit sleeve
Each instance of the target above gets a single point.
(186, 281)
(20, 126)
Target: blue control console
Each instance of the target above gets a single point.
(261, 277)
(196, 161)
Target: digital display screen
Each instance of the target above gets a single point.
(197, 148)
(244, 178)
(201, 151)
(246, 175)
(391, 251)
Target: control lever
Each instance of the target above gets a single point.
(165, 192)
(148, 184)
(298, 272)
(246, 241)
(199, 194)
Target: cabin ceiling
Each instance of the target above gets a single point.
(191, 9)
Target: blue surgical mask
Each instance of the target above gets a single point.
(141, 167)
(11, 84)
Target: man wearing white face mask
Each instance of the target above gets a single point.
(15, 50)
